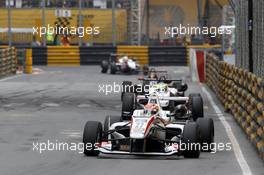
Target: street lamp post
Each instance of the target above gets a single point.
(113, 24)
(43, 22)
(9, 24)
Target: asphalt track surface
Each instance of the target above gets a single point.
(55, 104)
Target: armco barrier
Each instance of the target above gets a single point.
(74, 55)
(167, 55)
(71, 55)
(242, 93)
(39, 55)
(63, 56)
(94, 55)
(8, 61)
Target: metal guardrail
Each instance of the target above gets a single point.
(95, 54)
(242, 93)
(169, 55)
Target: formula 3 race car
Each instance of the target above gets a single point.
(122, 64)
(162, 87)
(150, 131)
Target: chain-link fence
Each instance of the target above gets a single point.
(88, 22)
(243, 25)
(242, 40)
(258, 38)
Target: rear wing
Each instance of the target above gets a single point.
(179, 99)
(167, 81)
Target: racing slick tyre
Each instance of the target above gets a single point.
(145, 70)
(194, 94)
(128, 105)
(104, 66)
(92, 135)
(191, 140)
(126, 87)
(206, 126)
(196, 106)
(113, 68)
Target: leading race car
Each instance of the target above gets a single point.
(122, 64)
(150, 131)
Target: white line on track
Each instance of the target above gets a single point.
(72, 133)
(9, 78)
(237, 150)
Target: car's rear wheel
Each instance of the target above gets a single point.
(113, 68)
(191, 142)
(196, 106)
(128, 105)
(145, 70)
(92, 136)
(104, 66)
(206, 126)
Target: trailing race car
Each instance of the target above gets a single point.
(122, 64)
(149, 131)
(185, 108)
(162, 87)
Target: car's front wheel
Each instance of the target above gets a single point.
(127, 86)
(206, 126)
(191, 141)
(196, 106)
(128, 105)
(92, 136)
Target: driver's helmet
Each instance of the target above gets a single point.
(153, 74)
(161, 87)
(125, 59)
(151, 109)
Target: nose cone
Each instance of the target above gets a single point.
(137, 135)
